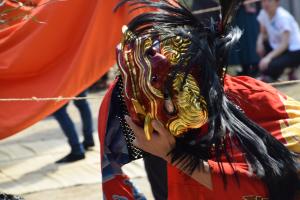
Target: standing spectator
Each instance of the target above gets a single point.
(278, 42)
(244, 53)
(67, 125)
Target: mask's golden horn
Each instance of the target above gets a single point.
(148, 126)
(138, 108)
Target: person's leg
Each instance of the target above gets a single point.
(295, 59)
(278, 64)
(87, 121)
(276, 67)
(69, 130)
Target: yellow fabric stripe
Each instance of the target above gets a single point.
(290, 128)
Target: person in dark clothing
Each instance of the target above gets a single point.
(244, 52)
(67, 125)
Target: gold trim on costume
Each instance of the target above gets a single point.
(290, 128)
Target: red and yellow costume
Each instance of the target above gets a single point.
(265, 105)
(172, 69)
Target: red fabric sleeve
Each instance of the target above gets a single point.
(103, 115)
(118, 188)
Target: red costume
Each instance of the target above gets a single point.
(172, 69)
(265, 105)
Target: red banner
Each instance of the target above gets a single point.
(64, 48)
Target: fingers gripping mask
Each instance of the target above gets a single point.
(156, 85)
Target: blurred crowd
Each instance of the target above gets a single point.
(269, 48)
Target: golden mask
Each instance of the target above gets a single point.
(146, 64)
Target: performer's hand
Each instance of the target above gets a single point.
(161, 143)
(264, 63)
(260, 50)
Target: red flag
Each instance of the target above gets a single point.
(70, 47)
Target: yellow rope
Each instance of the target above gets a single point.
(207, 10)
(218, 8)
(57, 99)
(283, 83)
(250, 1)
(60, 98)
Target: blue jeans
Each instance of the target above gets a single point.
(68, 126)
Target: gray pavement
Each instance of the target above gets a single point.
(27, 163)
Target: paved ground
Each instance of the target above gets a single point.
(27, 163)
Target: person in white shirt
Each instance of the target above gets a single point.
(278, 42)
